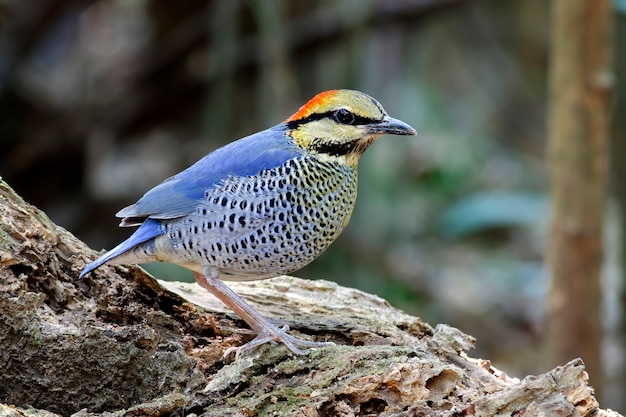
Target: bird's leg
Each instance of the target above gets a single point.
(266, 331)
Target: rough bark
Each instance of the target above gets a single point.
(578, 162)
(118, 341)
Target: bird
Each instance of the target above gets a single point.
(262, 206)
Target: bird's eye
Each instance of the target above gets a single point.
(344, 117)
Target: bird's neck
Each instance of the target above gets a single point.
(343, 152)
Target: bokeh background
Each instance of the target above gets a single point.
(101, 100)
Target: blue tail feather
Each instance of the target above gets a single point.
(149, 229)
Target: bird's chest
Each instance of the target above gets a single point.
(271, 223)
(321, 199)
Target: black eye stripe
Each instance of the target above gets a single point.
(331, 114)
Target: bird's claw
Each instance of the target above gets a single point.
(294, 344)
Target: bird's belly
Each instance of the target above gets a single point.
(266, 225)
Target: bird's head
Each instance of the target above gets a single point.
(342, 123)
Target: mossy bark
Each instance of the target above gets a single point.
(119, 341)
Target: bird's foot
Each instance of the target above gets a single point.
(296, 345)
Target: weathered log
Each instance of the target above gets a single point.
(119, 341)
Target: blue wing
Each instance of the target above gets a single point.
(178, 195)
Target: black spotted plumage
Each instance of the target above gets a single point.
(272, 223)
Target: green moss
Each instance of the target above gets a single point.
(36, 337)
(5, 242)
(281, 389)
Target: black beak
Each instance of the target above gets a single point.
(391, 126)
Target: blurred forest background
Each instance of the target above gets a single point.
(101, 100)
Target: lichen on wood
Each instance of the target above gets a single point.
(120, 341)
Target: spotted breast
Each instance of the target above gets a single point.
(272, 223)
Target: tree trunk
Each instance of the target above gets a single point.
(617, 380)
(118, 341)
(577, 158)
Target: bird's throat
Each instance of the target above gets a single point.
(349, 151)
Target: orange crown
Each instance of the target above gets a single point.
(312, 106)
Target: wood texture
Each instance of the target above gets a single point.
(118, 341)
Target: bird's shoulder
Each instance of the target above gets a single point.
(178, 195)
